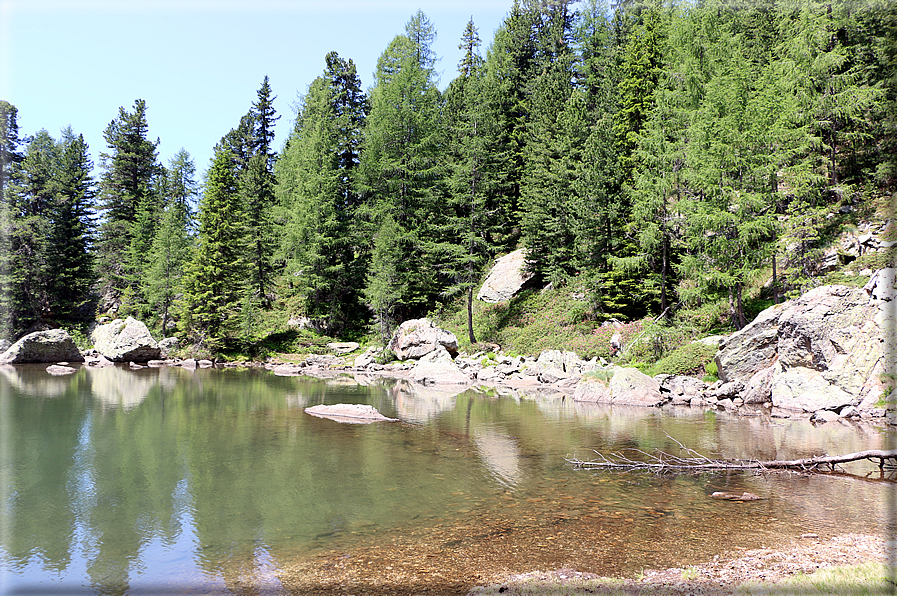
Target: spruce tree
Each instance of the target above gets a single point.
(70, 262)
(127, 195)
(10, 157)
(215, 278)
(323, 242)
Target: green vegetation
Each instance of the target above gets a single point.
(866, 579)
(677, 166)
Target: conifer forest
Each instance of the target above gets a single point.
(659, 155)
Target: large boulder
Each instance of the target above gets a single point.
(507, 277)
(823, 350)
(625, 386)
(419, 337)
(55, 345)
(125, 341)
(438, 368)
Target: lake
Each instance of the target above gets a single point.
(215, 481)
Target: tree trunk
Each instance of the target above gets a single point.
(473, 339)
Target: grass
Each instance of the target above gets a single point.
(855, 580)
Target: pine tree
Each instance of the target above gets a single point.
(126, 195)
(323, 243)
(215, 279)
(10, 157)
(471, 224)
(70, 263)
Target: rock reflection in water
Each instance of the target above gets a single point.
(500, 453)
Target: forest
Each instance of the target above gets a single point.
(659, 154)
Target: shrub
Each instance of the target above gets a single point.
(690, 359)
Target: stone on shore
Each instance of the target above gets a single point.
(57, 369)
(125, 341)
(55, 345)
(626, 386)
(821, 351)
(438, 368)
(507, 277)
(419, 337)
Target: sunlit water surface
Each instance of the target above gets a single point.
(158, 481)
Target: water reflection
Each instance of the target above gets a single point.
(215, 479)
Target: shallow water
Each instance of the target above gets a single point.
(160, 481)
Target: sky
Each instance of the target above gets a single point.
(199, 63)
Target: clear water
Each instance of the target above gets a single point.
(160, 481)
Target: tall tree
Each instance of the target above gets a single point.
(323, 241)
(472, 223)
(174, 239)
(70, 263)
(10, 157)
(400, 166)
(215, 279)
(126, 192)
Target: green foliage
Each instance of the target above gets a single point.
(689, 359)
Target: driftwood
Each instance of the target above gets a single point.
(662, 462)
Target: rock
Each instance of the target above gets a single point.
(437, 368)
(681, 386)
(57, 369)
(881, 285)
(506, 279)
(156, 363)
(711, 340)
(552, 375)
(55, 345)
(288, 370)
(487, 374)
(205, 364)
(169, 346)
(189, 364)
(418, 337)
(821, 351)
(124, 341)
(4, 345)
(627, 386)
(349, 413)
(745, 496)
(98, 361)
(849, 412)
(823, 416)
(340, 348)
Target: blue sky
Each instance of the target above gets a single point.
(199, 63)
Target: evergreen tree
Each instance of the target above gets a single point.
(127, 199)
(173, 241)
(70, 266)
(10, 157)
(400, 166)
(323, 244)
(215, 279)
(471, 224)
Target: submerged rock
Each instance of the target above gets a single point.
(349, 413)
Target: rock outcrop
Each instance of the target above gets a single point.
(55, 345)
(418, 337)
(822, 351)
(625, 386)
(507, 277)
(125, 341)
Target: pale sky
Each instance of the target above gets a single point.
(199, 63)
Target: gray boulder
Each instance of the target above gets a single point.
(125, 341)
(419, 337)
(627, 387)
(56, 369)
(169, 346)
(55, 345)
(438, 368)
(822, 351)
(506, 278)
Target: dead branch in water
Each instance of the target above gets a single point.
(662, 462)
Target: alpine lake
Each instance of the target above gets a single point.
(215, 481)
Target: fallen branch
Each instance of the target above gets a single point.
(664, 462)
